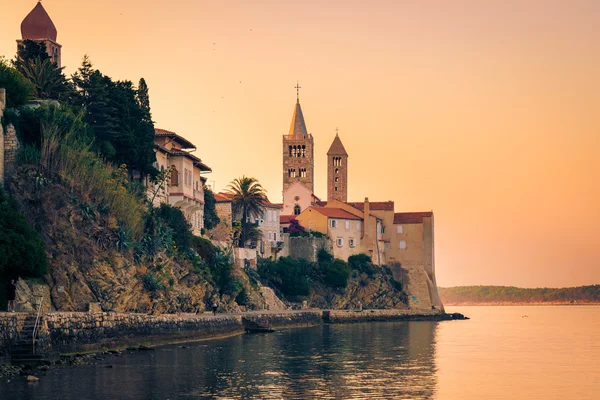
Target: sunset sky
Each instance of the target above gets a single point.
(486, 112)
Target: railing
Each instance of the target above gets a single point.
(37, 321)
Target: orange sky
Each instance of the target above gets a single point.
(487, 112)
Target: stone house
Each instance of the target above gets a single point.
(267, 223)
(185, 187)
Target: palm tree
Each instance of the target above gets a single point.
(47, 77)
(247, 200)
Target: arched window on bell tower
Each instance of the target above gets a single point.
(297, 209)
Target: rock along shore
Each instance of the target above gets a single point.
(76, 332)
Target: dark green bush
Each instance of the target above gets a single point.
(324, 256)
(205, 249)
(152, 283)
(173, 217)
(22, 251)
(289, 276)
(362, 263)
(336, 273)
(18, 89)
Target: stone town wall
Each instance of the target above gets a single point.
(307, 247)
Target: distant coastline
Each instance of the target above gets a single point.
(514, 296)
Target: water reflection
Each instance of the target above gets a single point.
(381, 360)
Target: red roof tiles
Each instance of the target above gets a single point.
(411, 217)
(285, 219)
(335, 213)
(222, 197)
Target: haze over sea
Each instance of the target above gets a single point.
(501, 353)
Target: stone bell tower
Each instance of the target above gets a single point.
(337, 171)
(38, 27)
(298, 151)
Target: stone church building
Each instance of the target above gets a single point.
(402, 240)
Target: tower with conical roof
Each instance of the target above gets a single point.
(38, 26)
(337, 171)
(298, 151)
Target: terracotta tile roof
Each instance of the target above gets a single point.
(374, 205)
(334, 213)
(285, 219)
(411, 217)
(222, 197)
(186, 144)
(197, 162)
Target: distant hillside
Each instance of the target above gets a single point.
(463, 295)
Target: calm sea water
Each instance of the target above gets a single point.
(501, 353)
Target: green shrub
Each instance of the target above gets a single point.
(173, 217)
(289, 276)
(362, 263)
(204, 248)
(324, 256)
(22, 251)
(28, 154)
(336, 273)
(396, 285)
(152, 283)
(242, 297)
(18, 89)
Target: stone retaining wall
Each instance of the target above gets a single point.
(73, 332)
(287, 319)
(345, 316)
(70, 332)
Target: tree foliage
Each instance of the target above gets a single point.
(120, 117)
(247, 199)
(511, 294)
(18, 89)
(211, 219)
(48, 79)
(22, 251)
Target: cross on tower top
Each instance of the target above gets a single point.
(297, 87)
(337, 131)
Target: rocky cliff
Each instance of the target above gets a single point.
(86, 269)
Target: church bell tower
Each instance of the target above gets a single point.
(298, 151)
(337, 171)
(38, 27)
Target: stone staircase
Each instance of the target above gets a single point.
(22, 352)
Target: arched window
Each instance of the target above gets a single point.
(174, 177)
(290, 151)
(297, 209)
(337, 170)
(337, 179)
(304, 151)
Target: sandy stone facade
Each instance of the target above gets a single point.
(337, 171)
(185, 186)
(298, 153)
